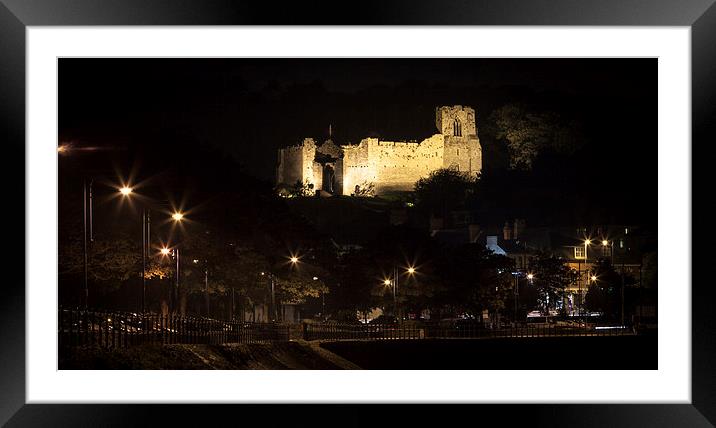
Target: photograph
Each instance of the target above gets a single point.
(325, 213)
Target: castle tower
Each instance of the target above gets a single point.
(456, 121)
(462, 146)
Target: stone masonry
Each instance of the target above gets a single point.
(388, 165)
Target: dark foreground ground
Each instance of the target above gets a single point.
(539, 353)
(280, 356)
(543, 353)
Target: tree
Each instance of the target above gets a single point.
(551, 277)
(365, 189)
(528, 133)
(606, 290)
(596, 299)
(296, 288)
(473, 279)
(300, 189)
(649, 270)
(443, 190)
(110, 261)
(496, 284)
(356, 283)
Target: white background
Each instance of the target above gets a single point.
(670, 383)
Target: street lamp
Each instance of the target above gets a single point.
(125, 190)
(394, 281)
(610, 245)
(587, 243)
(323, 301)
(273, 292)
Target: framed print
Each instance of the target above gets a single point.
(390, 204)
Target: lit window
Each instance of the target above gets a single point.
(621, 243)
(579, 253)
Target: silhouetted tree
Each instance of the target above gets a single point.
(442, 191)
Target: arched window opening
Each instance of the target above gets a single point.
(457, 128)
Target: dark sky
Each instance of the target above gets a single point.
(250, 107)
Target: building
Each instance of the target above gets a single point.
(383, 166)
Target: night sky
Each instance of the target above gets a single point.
(247, 108)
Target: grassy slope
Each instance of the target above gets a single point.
(282, 356)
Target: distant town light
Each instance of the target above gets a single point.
(386, 282)
(594, 277)
(197, 261)
(177, 216)
(315, 278)
(411, 270)
(530, 276)
(125, 190)
(164, 251)
(587, 241)
(605, 242)
(294, 259)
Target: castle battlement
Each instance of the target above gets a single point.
(388, 165)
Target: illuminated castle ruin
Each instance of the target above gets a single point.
(386, 165)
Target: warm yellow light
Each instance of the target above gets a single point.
(588, 241)
(411, 270)
(605, 242)
(61, 149)
(125, 191)
(294, 259)
(386, 282)
(164, 251)
(594, 277)
(197, 261)
(177, 216)
(315, 278)
(530, 276)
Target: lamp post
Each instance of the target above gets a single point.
(517, 293)
(610, 246)
(394, 281)
(127, 192)
(177, 216)
(166, 252)
(323, 302)
(587, 242)
(273, 296)
(85, 206)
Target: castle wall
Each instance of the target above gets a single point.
(290, 165)
(295, 163)
(309, 154)
(357, 165)
(390, 165)
(317, 175)
(463, 154)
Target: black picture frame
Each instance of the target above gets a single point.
(16, 15)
